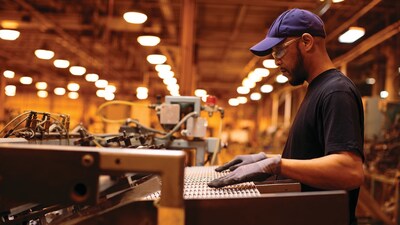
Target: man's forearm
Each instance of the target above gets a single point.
(343, 170)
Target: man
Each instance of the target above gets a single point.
(324, 149)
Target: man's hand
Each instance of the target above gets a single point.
(257, 171)
(241, 160)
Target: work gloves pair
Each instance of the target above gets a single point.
(245, 168)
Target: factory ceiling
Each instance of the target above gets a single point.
(93, 33)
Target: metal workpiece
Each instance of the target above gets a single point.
(195, 186)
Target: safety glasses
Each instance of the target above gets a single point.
(279, 51)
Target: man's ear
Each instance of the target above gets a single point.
(307, 41)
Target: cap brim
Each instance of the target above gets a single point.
(265, 46)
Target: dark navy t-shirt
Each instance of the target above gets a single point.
(330, 119)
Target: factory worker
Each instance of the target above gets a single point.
(324, 148)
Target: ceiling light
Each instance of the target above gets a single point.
(351, 35)
(170, 81)
(384, 94)
(73, 87)
(41, 85)
(109, 96)
(175, 93)
(10, 90)
(254, 77)
(44, 54)
(163, 67)
(173, 87)
(263, 72)
(370, 80)
(26, 80)
(9, 35)
(42, 94)
(142, 95)
(233, 102)
(337, 1)
(200, 92)
(166, 74)
(101, 83)
(77, 70)
(110, 88)
(142, 90)
(269, 63)
(59, 91)
(61, 63)
(9, 74)
(248, 83)
(91, 77)
(101, 93)
(148, 40)
(73, 95)
(266, 88)
(242, 99)
(156, 59)
(243, 90)
(135, 17)
(255, 96)
(9, 24)
(281, 79)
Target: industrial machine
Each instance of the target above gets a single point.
(50, 175)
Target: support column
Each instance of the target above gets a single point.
(275, 108)
(2, 98)
(288, 108)
(187, 75)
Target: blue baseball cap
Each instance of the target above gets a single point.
(291, 23)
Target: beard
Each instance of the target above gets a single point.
(299, 74)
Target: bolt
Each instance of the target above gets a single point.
(87, 160)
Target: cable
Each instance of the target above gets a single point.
(177, 126)
(116, 102)
(20, 115)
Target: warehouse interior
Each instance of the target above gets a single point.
(101, 87)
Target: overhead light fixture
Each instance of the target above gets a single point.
(262, 72)
(242, 99)
(255, 96)
(59, 91)
(101, 83)
(269, 63)
(384, 94)
(77, 70)
(156, 59)
(148, 40)
(109, 96)
(163, 67)
(9, 34)
(243, 90)
(166, 74)
(73, 95)
(26, 80)
(61, 63)
(42, 94)
(233, 102)
(173, 87)
(351, 35)
(10, 90)
(135, 17)
(9, 74)
(142, 93)
(110, 88)
(101, 93)
(248, 83)
(44, 54)
(73, 87)
(370, 80)
(254, 77)
(170, 81)
(266, 88)
(281, 79)
(200, 92)
(41, 85)
(337, 1)
(91, 77)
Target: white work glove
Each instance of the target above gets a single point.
(241, 160)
